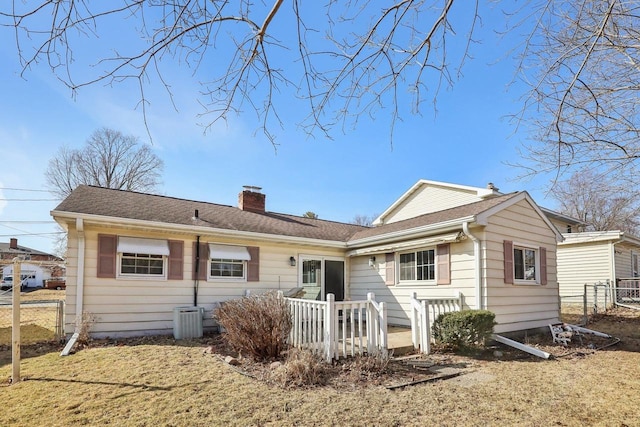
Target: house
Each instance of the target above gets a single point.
(606, 258)
(134, 257)
(587, 258)
(39, 266)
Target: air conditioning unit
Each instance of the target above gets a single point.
(187, 322)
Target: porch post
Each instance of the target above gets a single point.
(329, 328)
(414, 320)
(383, 326)
(371, 324)
(425, 328)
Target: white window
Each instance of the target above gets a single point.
(419, 265)
(635, 266)
(228, 262)
(144, 258)
(525, 264)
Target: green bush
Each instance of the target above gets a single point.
(464, 328)
(257, 325)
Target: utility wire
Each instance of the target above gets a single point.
(46, 235)
(25, 222)
(23, 189)
(29, 200)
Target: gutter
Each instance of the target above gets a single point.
(477, 267)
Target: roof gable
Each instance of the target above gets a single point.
(432, 196)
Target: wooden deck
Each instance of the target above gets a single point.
(399, 340)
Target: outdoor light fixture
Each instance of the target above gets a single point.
(292, 261)
(372, 261)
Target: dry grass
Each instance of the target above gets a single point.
(152, 382)
(37, 323)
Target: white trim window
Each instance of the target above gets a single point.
(418, 266)
(228, 262)
(142, 258)
(526, 261)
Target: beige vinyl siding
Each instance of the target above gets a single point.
(563, 227)
(430, 198)
(519, 307)
(580, 264)
(366, 279)
(144, 307)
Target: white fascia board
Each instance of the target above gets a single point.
(194, 229)
(594, 236)
(480, 192)
(431, 229)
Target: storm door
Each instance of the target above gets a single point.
(320, 276)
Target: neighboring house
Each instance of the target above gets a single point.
(595, 257)
(38, 267)
(133, 257)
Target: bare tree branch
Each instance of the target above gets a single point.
(356, 65)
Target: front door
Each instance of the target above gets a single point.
(320, 276)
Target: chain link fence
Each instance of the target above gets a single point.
(40, 321)
(596, 298)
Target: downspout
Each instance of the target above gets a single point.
(614, 282)
(80, 271)
(477, 267)
(79, 287)
(196, 282)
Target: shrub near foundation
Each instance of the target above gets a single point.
(257, 325)
(466, 328)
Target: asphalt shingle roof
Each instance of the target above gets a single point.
(147, 207)
(434, 217)
(140, 206)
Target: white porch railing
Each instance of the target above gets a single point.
(627, 292)
(424, 312)
(337, 329)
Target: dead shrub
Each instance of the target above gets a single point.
(367, 367)
(84, 324)
(301, 368)
(257, 325)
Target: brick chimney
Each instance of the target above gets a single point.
(13, 243)
(251, 199)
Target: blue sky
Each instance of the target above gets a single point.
(467, 142)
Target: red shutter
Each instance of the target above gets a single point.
(443, 263)
(508, 261)
(107, 244)
(202, 265)
(176, 260)
(253, 265)
(390, 269)
(543, 266)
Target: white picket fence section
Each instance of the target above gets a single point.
(337, 329)
(424, 312)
